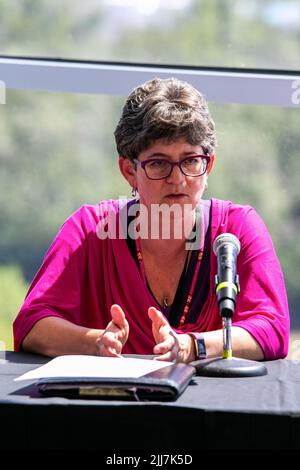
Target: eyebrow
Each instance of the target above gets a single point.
(159, 154)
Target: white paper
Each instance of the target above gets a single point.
(94, 367)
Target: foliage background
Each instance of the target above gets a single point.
(57, 150)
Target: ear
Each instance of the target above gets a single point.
(128, 170)
(211, 163)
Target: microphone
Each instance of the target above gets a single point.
(226, 248)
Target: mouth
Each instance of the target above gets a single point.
(176, 196)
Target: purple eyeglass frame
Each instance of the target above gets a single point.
(172, 164)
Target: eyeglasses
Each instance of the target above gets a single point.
(160, 168)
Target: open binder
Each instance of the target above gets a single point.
(111, 378)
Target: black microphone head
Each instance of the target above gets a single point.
(224, 239)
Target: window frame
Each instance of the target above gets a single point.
(218, 84)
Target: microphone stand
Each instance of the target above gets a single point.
(227, 365)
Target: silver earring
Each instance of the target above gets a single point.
(133, 192)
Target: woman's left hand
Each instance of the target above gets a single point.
(170, 346)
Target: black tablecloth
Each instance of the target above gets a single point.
(212, 413)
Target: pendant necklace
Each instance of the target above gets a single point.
(195, 275)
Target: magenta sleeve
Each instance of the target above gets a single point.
(56, 289)
(262, 307)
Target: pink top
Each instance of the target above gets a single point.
(83, 275)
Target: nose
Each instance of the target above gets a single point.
(176, 176)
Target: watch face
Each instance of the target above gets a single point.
(201, 348)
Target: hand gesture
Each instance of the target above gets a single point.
(115, 334)
(170, 346)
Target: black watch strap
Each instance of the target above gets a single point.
(199, 345)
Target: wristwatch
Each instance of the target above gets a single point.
(199, 345)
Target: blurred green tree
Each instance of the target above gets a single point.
(12, 294)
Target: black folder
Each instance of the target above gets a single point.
(164, 384)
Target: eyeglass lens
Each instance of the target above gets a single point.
(161, 168)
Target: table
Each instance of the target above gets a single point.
(213, 413)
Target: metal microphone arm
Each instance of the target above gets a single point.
(226, 248)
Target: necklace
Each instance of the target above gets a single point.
(195, 275)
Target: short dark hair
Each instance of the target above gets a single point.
(166, 109)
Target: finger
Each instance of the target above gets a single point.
(164, 346)
(171, 343)
(170, 355)
(113, 353)
(107, 351)
(165, 357)
(168, 349)
(110, 343)
(175, 338)
(118, 316)
(157, 317)
(110, 340)
(176, 345)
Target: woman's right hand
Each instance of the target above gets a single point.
(115, 334)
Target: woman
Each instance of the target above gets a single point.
(147, 286)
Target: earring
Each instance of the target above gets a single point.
(133, 192)
(206, 186)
